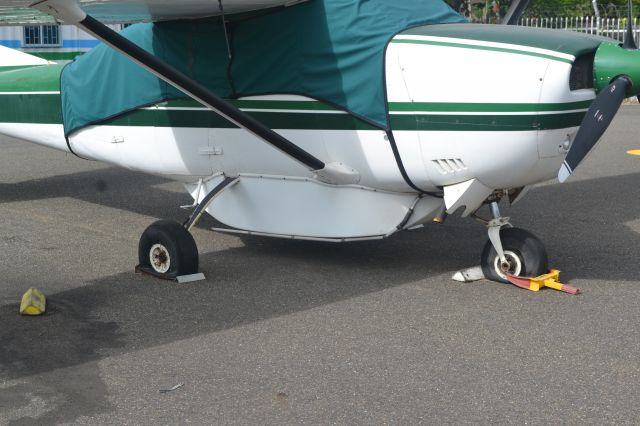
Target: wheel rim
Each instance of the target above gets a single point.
(513, 265)
(159, 258)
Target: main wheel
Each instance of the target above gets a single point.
(167, 250)
(525, 253)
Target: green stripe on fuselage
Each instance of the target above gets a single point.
(394, 106)
(485, 48)
(564, 116)
(26, 108)
(312, 115)
(485, 123)
(486, 107)
(210, 119)
(257, 104)
(567, 42)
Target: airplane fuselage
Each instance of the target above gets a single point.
(472, 109)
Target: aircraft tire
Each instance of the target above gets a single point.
(525, 252)
(167, 250)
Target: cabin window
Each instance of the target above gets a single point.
(42, 35)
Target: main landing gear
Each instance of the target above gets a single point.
(167, 249)
(511, 250)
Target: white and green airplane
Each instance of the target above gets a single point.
(329, 120)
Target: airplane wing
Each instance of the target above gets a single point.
(18, 12)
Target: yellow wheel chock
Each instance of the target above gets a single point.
(550, 280)
(33, 303)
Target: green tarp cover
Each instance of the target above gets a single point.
(330, 50)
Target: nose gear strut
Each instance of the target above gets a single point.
(493, 227)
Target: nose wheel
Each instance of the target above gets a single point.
(524, 255)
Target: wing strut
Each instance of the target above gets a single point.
(70, 13)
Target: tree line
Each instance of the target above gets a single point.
(492, 10)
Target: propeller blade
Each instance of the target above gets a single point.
(594, 124)
(629, 42)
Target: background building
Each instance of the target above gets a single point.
(52, 42)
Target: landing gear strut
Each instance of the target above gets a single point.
(511, 250)
(167, 249)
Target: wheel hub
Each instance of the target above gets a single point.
(511, 265)
(159, 258)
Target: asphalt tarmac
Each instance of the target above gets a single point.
(291, 332)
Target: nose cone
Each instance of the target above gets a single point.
(612, 61)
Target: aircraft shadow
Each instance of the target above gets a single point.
(111, 187)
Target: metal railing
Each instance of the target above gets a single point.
(614, 28)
